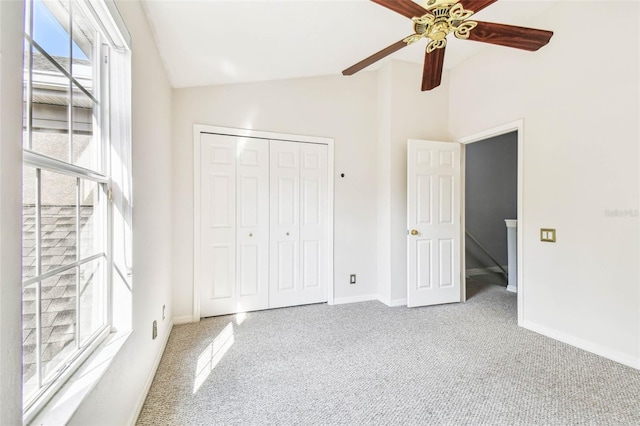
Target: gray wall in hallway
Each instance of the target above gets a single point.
(491, 179)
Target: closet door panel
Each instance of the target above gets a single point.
(287, 268)
(285, 223)
(311, 263)
(313, 226)
(298, 235)
(252, 233)
(218, 224)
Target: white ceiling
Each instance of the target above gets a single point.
(210, 42)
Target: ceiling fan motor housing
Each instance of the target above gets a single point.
(441, 19)
(436, 19)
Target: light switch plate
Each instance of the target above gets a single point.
(548, 235)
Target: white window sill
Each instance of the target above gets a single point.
(65, 402)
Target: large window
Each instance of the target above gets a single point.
(67, 245)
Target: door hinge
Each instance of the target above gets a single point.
(110, 195)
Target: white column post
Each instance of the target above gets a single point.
(512, 253)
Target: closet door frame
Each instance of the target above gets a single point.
(199, 129)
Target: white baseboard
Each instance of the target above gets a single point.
(512, 288)
(398, 302)
(354, 299)
(628, 360)
(392, 303)
(482, 271)
(152, 374)
(370, 297)
(183, 320)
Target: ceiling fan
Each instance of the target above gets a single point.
(439, 18)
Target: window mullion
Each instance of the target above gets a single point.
(41, 161)
(38, 309)
(29, 64)
(61, 269)
(29, 94)
(98, 107)
(71, 112)
(106, 105)
(78, 268)
(60, 68)
(70, 122)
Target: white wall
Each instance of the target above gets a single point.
(404, 112)
(338, 107)
(11, 19)
(579, 97)
(116, 397)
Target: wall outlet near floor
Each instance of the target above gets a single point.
(155, 329)
(352, 279)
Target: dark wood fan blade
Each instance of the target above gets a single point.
(475, 5)
(374, 58)
(403, 7)
(510, 36)
(432, 71)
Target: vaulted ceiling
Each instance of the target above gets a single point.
(209, 42)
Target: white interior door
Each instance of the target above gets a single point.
(298, 224)
(234, 224)
(434, 223)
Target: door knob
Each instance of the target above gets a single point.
(414, 232)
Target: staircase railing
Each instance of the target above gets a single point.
(483, 248)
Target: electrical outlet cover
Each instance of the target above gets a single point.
(548, 235)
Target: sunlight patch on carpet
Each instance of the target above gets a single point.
(212, 355)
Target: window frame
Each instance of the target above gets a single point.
(111, 36)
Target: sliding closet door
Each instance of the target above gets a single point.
(298, 237)
(234, 224)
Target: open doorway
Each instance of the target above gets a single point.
(491, 197)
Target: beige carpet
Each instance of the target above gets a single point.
(365, 363)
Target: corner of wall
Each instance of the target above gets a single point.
(109, 402)
(404, 112)
(383, 166)
(11, 19)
